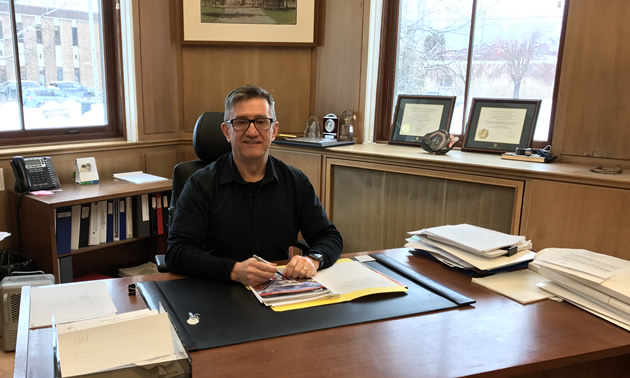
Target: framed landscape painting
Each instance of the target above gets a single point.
(250, 22)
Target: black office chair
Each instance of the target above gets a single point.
(209, 144)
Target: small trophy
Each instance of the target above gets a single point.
(346, 128)
(313, 128)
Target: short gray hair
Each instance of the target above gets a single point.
(247, 92)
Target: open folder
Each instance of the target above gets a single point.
(344, 281)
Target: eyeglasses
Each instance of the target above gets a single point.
(242, 124)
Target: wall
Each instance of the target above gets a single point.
(177, 83)
(594, 90)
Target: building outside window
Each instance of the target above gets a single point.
(58, 40)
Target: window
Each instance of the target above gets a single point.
(78, 40)
(470, 49)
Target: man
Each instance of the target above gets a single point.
(248, 203)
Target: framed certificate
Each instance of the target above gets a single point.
(418, 115)
(500, 125)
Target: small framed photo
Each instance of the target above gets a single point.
(500, 125)
(416, 116)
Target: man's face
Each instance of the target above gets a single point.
(250, 144)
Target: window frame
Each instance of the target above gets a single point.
(384, 104)
(113, 85)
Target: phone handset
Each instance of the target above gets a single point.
(19, 170)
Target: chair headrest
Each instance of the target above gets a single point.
(209, 142)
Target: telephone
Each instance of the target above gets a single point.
(34, 173)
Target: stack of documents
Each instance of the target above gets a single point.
(470, 247)
(346, 280)
(595, 282)
(138, 177)
(139, 343)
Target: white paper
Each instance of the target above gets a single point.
(585, 304)
(519, 285)
(473, 238)
(138, 177)
(500, 125)
(347, 277)
(69, 302)
(4, 235)
(420, 119)
(113, 345)
(481, 262)
(581, 260)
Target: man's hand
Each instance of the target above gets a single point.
(301, 267)
(252, 272)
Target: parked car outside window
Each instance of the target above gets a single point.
(36, 97)
(9, 92)
(72, 88)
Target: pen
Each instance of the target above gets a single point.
(266, 262)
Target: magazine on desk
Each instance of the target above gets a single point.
(346, 280)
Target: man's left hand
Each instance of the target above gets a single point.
(301, 267)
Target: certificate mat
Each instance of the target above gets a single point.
(229, 314)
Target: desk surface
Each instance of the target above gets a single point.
(494, 337)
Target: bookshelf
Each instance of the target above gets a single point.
(34, 225)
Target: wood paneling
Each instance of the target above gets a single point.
(161, 163)
(565, 215)
(211, 72)
(339, 59)
(592, 110)
(309, 163)
(159, 60)
(374, 206)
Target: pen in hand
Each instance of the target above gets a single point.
(268, 263)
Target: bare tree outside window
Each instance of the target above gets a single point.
(514, 52)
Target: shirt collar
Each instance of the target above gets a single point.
(230, 171)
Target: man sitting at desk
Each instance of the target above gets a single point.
(248, 202)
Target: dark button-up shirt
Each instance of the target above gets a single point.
(221, 219)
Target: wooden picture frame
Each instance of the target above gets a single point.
(500, 125)
(226, 22)
(416, 116)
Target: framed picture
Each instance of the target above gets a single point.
(416, 116)
(236, 22)
(500, 125)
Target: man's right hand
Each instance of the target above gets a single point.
(252, 272)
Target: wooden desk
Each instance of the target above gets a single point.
(495, 337)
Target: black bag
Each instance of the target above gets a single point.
(13, 261)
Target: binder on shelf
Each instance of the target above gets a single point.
(110, 221)
(76, 227)
(141, 222)
(95, 225)
(63, 217)
(165, 197)
(102, 211)
(129, 218)
(84, 226)
(116, 219)
(65, 269)
(159, 225)
(153, 214)
(122, 216)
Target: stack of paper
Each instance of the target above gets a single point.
(595, 282)
(471, 247)
(138, 177)
(346, 280)
(139, 343)
(140, 270)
